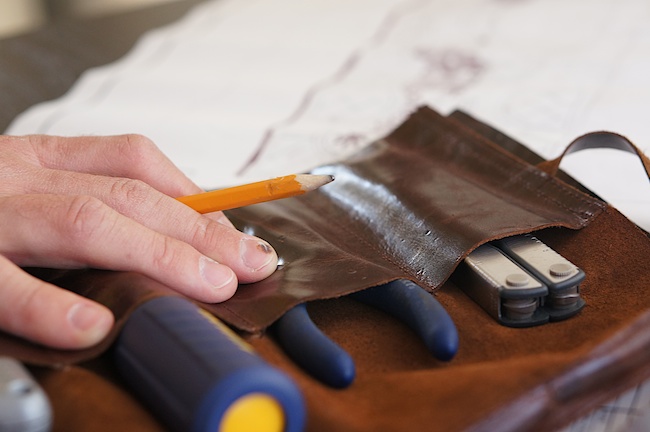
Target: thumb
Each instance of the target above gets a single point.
(45, 314)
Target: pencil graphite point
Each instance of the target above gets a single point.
(311, 182)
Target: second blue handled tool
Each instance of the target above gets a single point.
(418, 309)
(195, 374)
(405, 300)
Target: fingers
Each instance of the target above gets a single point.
(128, 156)
(251, 258)
(137, 180)
(73, 231)
(43, 313)
(141, 191)
(107, 202)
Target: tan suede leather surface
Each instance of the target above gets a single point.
(411, 205)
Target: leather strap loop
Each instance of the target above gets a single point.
(596, 140)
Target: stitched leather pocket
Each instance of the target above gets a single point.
(411, 205)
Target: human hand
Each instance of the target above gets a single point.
(106, 202)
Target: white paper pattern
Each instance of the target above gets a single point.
(240, 91)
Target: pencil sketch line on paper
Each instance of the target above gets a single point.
(383, 30)
(451, 70)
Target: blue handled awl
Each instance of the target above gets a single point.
(405, 300)
(195, 374)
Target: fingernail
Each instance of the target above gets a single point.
(255, 253)
(93, 320)
(217, 275)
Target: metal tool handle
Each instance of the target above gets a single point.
(24, 406)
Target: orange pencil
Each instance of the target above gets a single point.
(253, 193)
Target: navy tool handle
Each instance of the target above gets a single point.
(418, 309)
(312, 350)
(329, 363)
(195, 374)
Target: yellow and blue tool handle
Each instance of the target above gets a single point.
(196, 375)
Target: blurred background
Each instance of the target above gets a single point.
(21, 16)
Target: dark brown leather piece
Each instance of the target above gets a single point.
(504, 379)
(513, 147)
(409, 206)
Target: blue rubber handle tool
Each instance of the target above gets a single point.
(308, 347)
(326, 361)
(418, 309)
(195, 374)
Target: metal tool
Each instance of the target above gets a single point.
(24, 406)
(195, 374)
(329, 363)
(521, 282)
(561, 277)
(506, 291)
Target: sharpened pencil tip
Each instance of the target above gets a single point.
(310, 182)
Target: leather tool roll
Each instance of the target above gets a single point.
(413, 205)
(409, 206)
